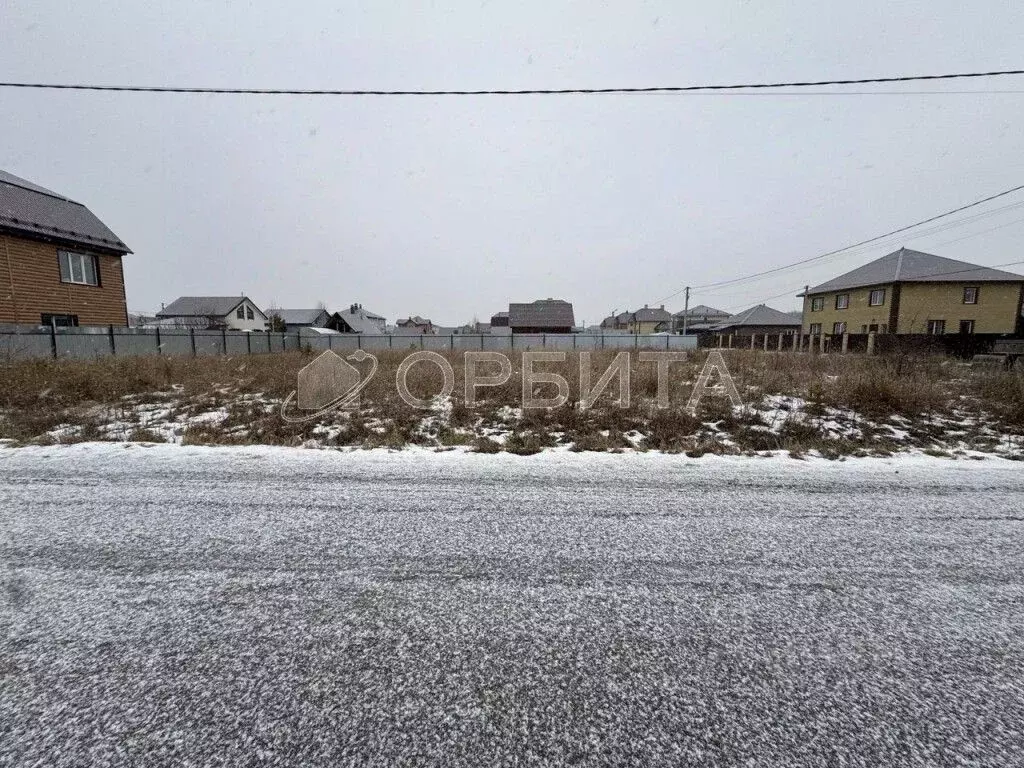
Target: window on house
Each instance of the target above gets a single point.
(971, 295)
(817, 304)
(842, 301)
(815, 329)
(864, 329)
(240, 313)
(877, 297)
(838, 328)
(936, 327)
(248, 313)
(59, 321)
(966, 326)
(78, 268)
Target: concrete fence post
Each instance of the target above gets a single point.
(753, 338)
(846, 342)
(719, 341)
(871, 342)
(766, 342)
(796, 339)
(780, 343)
(821, 343)
(730, 339)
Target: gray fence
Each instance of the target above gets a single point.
(21, 343)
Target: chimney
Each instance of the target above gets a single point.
(663, 306)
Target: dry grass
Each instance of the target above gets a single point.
(36, 397)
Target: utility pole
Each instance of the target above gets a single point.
(686, 309)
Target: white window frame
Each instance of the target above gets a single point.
(71, 262)
(240, 312)
(936, 327)
(817, 304)
(839, 328)
(845, 304)
(976, 292)
(871, 297)
(814, 329)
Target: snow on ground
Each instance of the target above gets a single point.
(188, 605)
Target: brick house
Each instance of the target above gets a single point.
(909, 292)
(59, 264)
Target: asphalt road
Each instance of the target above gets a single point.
(178, 606)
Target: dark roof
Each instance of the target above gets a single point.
(414, 320)
(650, 314)
(759, 315)
(297, 316)
(907, 266)
(702, 310)
(543, 313)
(202, 306)
(31, 210)
(360, 321)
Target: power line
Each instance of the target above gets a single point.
(875, 239)
(799, 290)
(500, 91)
(929, 232)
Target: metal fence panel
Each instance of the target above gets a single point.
(209, 342)
(237, 343)
(24, 346)
(131, 342)
(682, 342)
(18, 342)
(175, 342)
(83, 344)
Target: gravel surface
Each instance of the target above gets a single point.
(191, 606)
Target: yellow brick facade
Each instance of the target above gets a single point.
(996, 311)
(907, 308)
(859, 316)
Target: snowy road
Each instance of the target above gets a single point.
(172, 605)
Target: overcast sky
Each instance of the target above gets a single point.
(450, 207)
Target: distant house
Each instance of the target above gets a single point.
(500, 324)
(650, 320)
(699, 318)
(358, 320)
(293, 319)
(619, 322)
(541, 316)
(234, 313)
(913, 292)
(416, 324)
(59, 264)
(758, 320)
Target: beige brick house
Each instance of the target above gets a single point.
(913, 292)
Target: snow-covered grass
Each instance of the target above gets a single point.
(831, 406)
